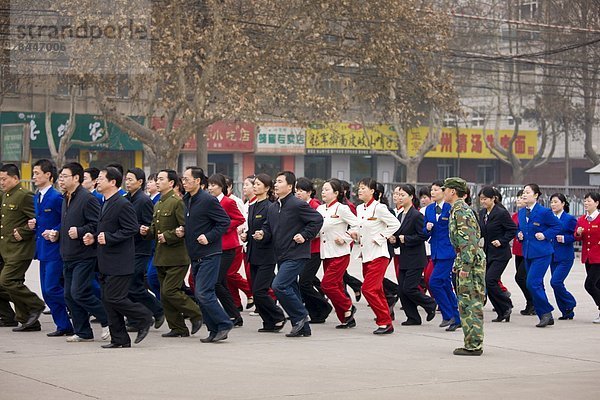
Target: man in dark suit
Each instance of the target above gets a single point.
(79, 216)
(46, 224)
(115, 233)
(411, 238)
(17, 247)
(205, 223)
(135, 181)
(291, 224)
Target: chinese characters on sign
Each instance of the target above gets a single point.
(347, 138)
(280, 138)
(470, 143)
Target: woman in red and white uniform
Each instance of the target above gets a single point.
(335, 250)
(588, 231)
(376, 225)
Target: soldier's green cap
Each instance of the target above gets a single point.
(456, 183)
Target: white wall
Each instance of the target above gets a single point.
(340, 166)
(385, 169)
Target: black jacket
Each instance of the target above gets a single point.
(204, 215)
(499, 226)
(119, 224)
(412, 251)
(260, 252)
(144, 209)
(81, 211)
(286, 218)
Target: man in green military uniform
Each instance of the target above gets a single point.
(17, 248)
(469, 266)
(171, 257)
(7, 314)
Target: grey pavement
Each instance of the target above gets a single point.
(520, 361)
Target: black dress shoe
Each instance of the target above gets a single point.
(430, 315)
(545, 320)
(452, 327)
(116, 346)
(196, 325)
(36, 327)
(33, 317)
(238, 322)
(209, 339)
(221, 335)
(410, 322)
(279, 325)
(351, 316)
(384, 331)
(568, 314)
(299, 325)
(158, 321)
(357, 296)
(461, 351)
(317, 321)
(142, 333)
(528, 310)
(267, 330)
(58, 333)
(348, 324)
(131, 328)
(504, 317)
(6, 324)
(175, 334)
(304, 332)
(250, 304)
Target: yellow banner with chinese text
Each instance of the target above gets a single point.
(469, 143)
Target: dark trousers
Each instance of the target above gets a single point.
(52, 282)
(354, 283)
(493, 274)
(285, 286)
(12, 281)
(592, 282)
(115, 291)
(7, 313)
(391, 291)
(262, 278)
(221, 288)
(80, 297)
(317, 306)
(207, 271)
(137, 289)
(521, 279)
(176, 303)
(411, 296)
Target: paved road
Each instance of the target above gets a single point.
(416, 362)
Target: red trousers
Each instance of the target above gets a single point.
(235, 281)
(333, 284)
(372, 289)
(427, 273)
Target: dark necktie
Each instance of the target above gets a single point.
(589, 218)
(402, 215)
(528, 212)
(438, 210)
(485, 219)
(39, 198)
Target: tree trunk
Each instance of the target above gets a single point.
(412, 171)
(518, 175)
(202, 149)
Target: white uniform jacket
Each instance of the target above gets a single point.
(336, 220)
(375, 224)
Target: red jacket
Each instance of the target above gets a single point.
(517, 248)
(590, 239)
(230, 239)
(315, 244)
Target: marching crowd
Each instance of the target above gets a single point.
(170, 248)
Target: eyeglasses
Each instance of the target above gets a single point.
(64, 176)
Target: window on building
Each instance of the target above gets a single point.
(528, 9)
(477, 118)
(445, 171)
(9, 83)
(449, 121)
(270, 165)
(317, 167)
(579, 177)
(361, 166)
(486, 174)
(400, 175)
(64, 87)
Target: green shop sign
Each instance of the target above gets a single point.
(88, 128)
